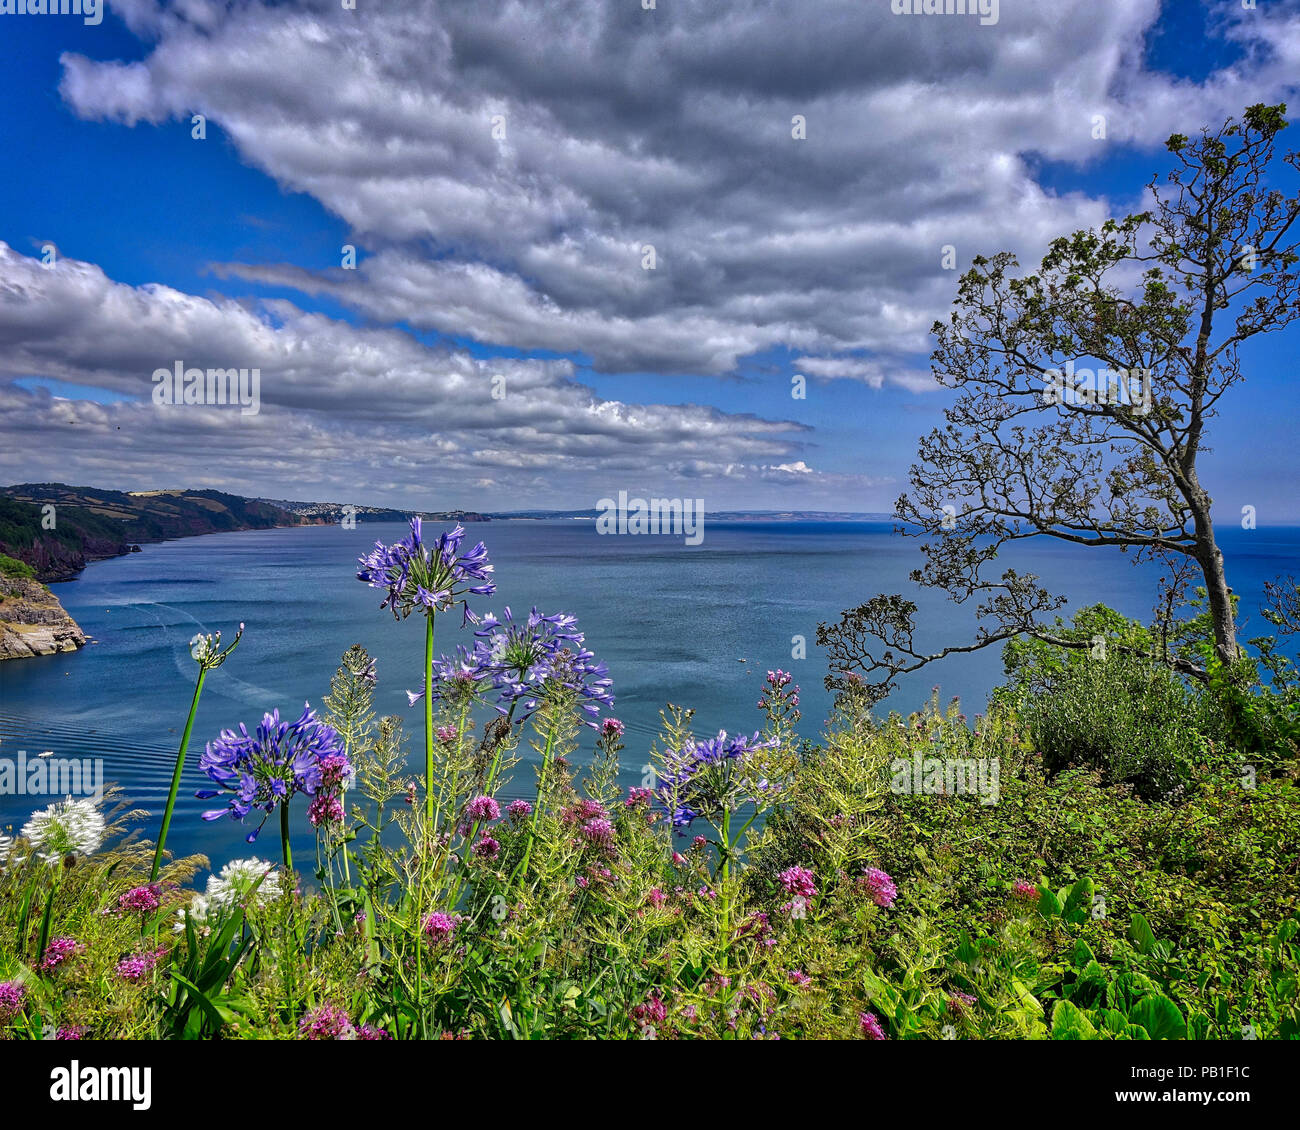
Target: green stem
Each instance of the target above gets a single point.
(284, 837)
(428, 726)
(541, 785)
(176, 776)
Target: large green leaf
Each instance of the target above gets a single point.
(1069, 1023)
(1160, 1017)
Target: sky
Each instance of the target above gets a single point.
(503, 169)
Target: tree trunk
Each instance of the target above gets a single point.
(1210, 558)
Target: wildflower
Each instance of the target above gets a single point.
(798, 881)
(136, 967)
(262, 771)
(1023, 890)
(428, 578)
(198, 915)
(329, 1022)
(959, 1002)
(651, 1013)
(68, 1034)
(241, 882)
(144, 899)
(656, 897)
(598, 831)
(483, 808)
(13, 994)
(325, 808)
(523, 660)
(66, 828)
(612, 728)
(798, 978)
(58, 951)
(870, 1026)
(519, 809)
(486, 848)
(439, 927)
(880, 886)
(689, 788)
(444, 733)
(636, 796)
(365, 1032)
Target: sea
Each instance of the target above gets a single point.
(697, 626)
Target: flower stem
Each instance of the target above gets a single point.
(176, 776)
(428, 726)
(284, 836)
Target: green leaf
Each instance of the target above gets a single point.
(1078, 902)
(1160, 1017)
(1048, 904)
(1069, 1023)
(1141, 933)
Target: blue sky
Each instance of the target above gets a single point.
(518, 256)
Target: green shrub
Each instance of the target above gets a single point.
(12, 567)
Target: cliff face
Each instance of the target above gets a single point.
(32, 621)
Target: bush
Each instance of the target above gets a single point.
(12, 567)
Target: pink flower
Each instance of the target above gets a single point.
(58, 951)
(143, 899)
(1026, 891)
(650, 1013)
(637, 796)
(656, 897)
(136, 967)
(483, 808)
(446, 734)
(486, 848)
(798, 881)
(599, 832)
(870, 1026)
(880, 886)
(12, 996)
(799, 977)
(518, 809)
(325, 808)
(612, 727)
(439, 927)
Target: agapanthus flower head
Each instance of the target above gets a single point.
(242, 883)
(524, 660)
(428, 578)
(66, 828)
(870, 1027)
(13, 994)
(880, 886)
(688, 787)
(799, 881)
(483, 808)
(58, 951)
(207, 651)
(143, 899)
(268, 768)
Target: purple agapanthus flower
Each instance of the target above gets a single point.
(268, 768)
(697, 776)
(520, 661)
(428, 578)
(522, 658)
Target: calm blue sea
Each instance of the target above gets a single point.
(698, 626)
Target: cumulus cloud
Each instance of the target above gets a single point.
(505, 164)
(347, 410)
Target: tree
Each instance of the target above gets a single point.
(1084, 392)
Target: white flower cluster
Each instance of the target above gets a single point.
(67, 827)
(233, 887)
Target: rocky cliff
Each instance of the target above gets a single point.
(32, 621)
